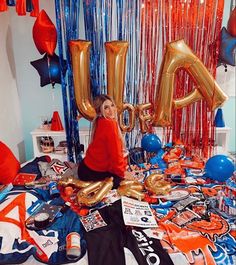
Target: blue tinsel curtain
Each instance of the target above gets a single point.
(98, 30)
(114, 20)
(103, 21)
(67, 20)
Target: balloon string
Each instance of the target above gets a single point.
(53, 99)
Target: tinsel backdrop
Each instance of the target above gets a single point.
(147, 25)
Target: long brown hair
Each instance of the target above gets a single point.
(98, 106)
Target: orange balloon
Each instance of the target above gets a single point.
(131, 111)
(116, 61)
(79, 50)
(179, 55)
(145, 118)
(231, 25)
(44, 34)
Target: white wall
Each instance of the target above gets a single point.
(10, 110)
(24, 102)
(227, 82)
(35, 101)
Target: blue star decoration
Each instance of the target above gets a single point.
(227, 48)
(49, 69)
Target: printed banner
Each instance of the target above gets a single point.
(137, 213)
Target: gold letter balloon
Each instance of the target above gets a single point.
(131, 111)
(178, 55)
(79, 50)
(145, 116)
(116, 60)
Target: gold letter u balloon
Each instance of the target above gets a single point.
(79, 50)
(116, 60)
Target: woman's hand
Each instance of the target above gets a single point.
(125, 153)
(129, 175)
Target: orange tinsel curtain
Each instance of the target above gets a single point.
(198, 22)
(22, 6)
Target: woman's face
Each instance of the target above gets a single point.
(109, 109)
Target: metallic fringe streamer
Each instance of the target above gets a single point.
(148, 26)
(67, 18)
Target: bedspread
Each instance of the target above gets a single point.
(187, 235)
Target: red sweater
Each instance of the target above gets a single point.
(105, 152)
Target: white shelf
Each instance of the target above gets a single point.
(222, 135)
(222, 140)
(57, 136)
(46, 132)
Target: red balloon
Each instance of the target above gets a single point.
(231, 26)
(44, 34)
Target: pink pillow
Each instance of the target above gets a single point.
(9, 165)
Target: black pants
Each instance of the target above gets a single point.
(87, 174)
(106, 244)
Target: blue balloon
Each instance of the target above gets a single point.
(49, 69)
(219, 167)
(151, 143)
(160, 153)
(227, 47)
